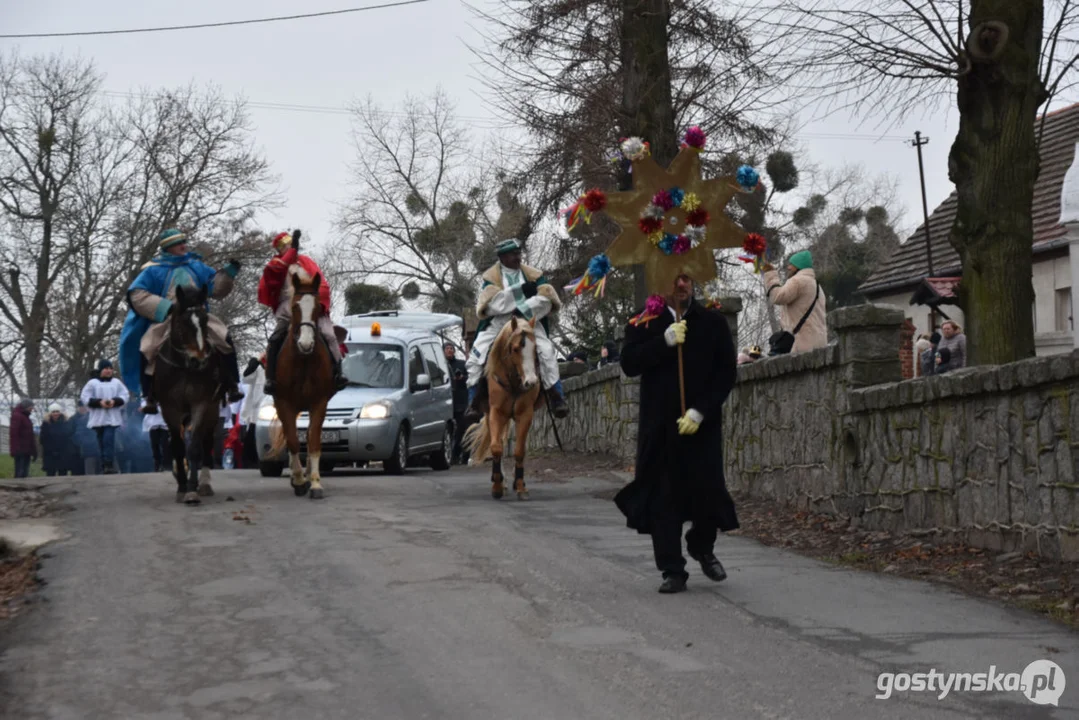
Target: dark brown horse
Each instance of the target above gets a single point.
(513, 391)
(190, 389)
(303, 382)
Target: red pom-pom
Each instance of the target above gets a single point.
(755, 244)
(595, 200)
(695, 137)
(697, 217)
(649, 225)
(681, 245)
(663, 199)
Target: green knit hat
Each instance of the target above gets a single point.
(802, 260)
(170, 237)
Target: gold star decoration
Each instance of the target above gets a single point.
(633, 246)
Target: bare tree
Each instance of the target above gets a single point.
(1003, 60)
(105, 181)
(422, 219)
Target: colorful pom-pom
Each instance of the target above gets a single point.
(748, 177)
(681, 245)
(695, 138)
(649, 225)
(678, 195)
(696, 234)
(691, 202)
(594, 200)
(698, 217)
(595, 277)
(654, 211)
(599, 266)
(654, 306)
(755, 244)
(667, 243)
(663, 199)
(655, 237)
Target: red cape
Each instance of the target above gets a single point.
(276, 272)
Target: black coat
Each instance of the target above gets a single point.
(57, 445)
(459, 378)
(693, 464)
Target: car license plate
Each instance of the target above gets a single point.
(328, 436)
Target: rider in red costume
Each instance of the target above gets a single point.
(274, 277)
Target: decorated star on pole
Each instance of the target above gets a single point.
(673, 220)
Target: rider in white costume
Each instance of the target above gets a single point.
(510, 288)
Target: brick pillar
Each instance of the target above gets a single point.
(906, 348)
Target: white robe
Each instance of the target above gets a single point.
(105, 390)
(500, 310)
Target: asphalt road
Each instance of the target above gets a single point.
(420, 597)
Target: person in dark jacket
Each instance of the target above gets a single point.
(459, 378)
(608, 354)
(57, 442)
(23, 442)
(679, 472)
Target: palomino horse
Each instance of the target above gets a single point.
(190, 389)
(304, 382)
(513, 392)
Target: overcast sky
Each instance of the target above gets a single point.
(388, 53)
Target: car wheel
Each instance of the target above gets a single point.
(396, 463)
(440, 459)
(271, 469)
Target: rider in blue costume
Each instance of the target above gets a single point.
(150, 298)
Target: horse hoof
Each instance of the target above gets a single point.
(316, 494)
(496, 491)
(522, 494)
(205, 490)
(301, 490)
(192, 498)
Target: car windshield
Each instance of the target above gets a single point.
(376, 366)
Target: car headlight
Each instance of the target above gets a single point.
(268, 413)
(376, 411)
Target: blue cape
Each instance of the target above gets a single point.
(159, 276)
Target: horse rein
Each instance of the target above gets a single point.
(188, 363)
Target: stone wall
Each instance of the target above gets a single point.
(989, 455)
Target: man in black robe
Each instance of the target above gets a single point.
(679, 474)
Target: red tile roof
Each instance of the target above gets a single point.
(908, 265)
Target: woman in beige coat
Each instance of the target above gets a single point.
(794, 298)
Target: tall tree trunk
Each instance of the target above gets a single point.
(994, 165)
(647, 108)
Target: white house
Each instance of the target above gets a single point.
(904, 279)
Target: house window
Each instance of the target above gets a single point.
(1063, 310)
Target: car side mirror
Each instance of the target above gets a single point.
(423, 382)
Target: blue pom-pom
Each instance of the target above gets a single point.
(598, 267)
(748, 177)
(677, 195)
(667, 243)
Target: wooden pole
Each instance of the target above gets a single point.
(681, 369)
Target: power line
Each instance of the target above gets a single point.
(217, 24)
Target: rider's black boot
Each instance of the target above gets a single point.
(147, 382)
(230, 376)
(273, 349)
(479, 402)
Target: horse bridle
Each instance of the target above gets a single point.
(508, 386)
(188, 363)
(305, 323)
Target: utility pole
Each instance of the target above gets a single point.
(918, 142)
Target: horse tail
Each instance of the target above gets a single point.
(478, 440)
(278, 441)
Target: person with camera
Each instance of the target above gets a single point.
(802, 306)
(459, 374)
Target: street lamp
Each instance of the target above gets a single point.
(1069, 218)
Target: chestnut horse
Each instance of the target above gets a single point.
(513, 391)
(304, 382)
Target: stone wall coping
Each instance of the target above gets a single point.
(865, 316)
(773, 367)
(592, 377)
(967, 382)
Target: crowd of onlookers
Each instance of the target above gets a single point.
(943, 351)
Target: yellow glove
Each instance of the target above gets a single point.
(675, 334)
(690, 423)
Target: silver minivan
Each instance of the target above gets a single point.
(398, 407)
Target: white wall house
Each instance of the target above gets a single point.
(899, 279)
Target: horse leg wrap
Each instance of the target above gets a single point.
(519, 477)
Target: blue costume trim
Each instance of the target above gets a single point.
(158, 278)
